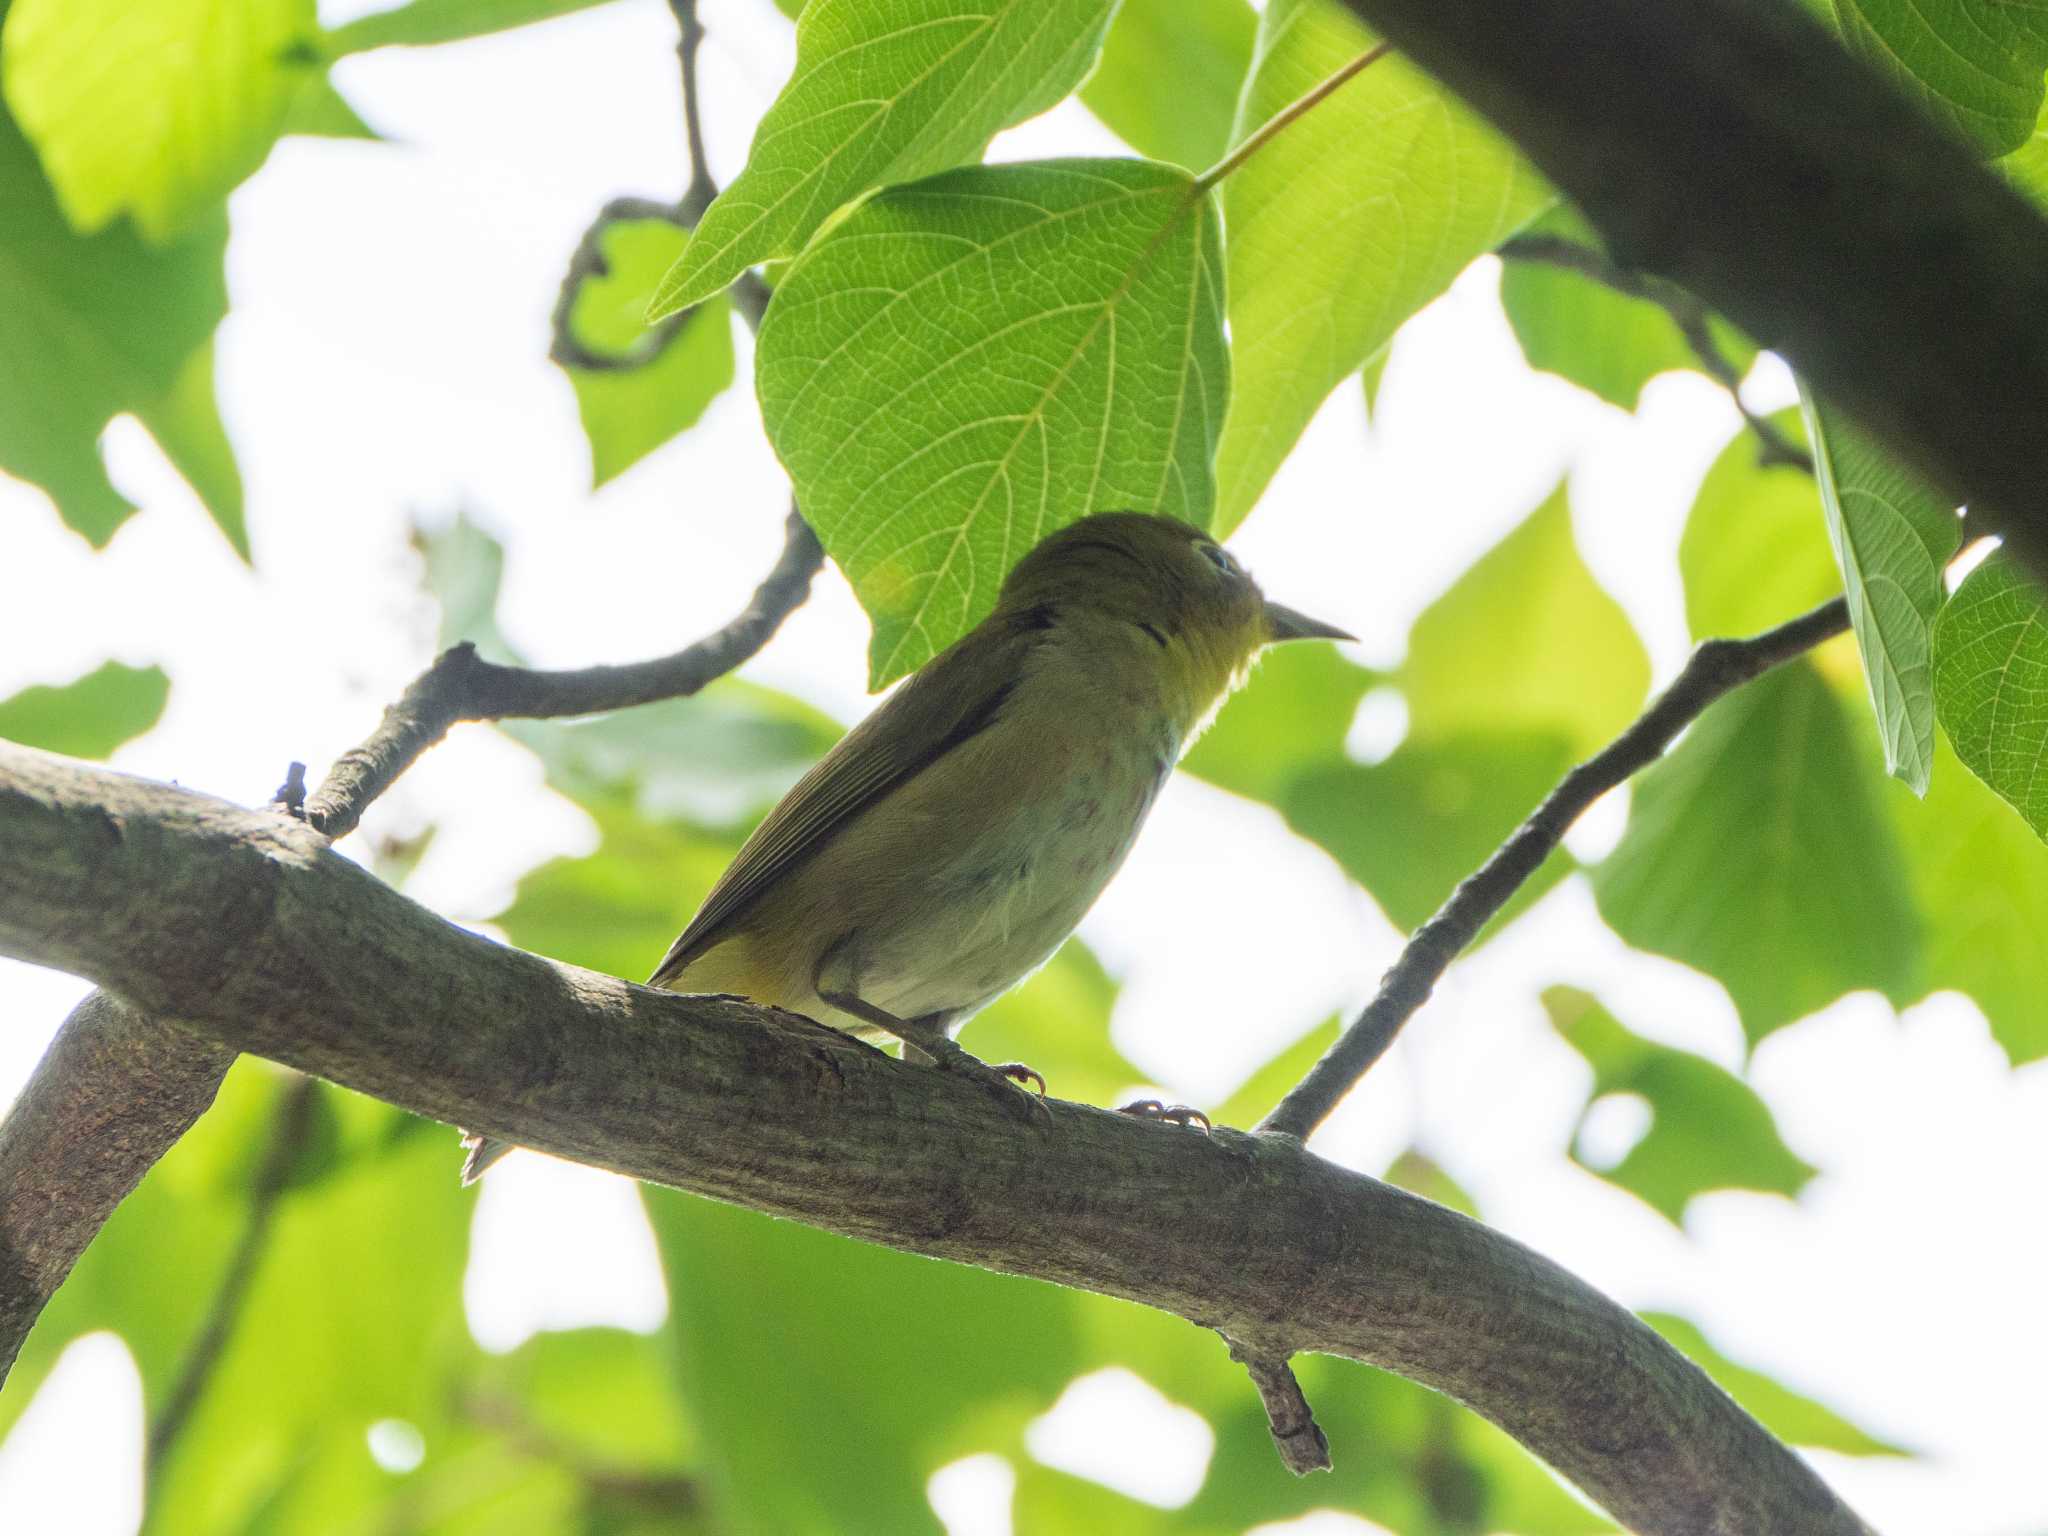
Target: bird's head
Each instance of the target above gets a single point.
(1167, 579)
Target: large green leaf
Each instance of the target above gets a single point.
(1524, 666)
(964, 365)
(1982, 879)
(1526, 639)
(1602, 340)
(89, 717)
(1169, 76)
(422, 22)
(1754, 554)
(1975, 65)
(1757, 851)
(1708, 1129)
(1342, 227)
(158, 110)
(1794, 1418)
(1293, 716)
(186, 424)
(93, 326)
(629, 412)
(883, 93)
(1891, 537)
(1991, 683)
(881, 1366)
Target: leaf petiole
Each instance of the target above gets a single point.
(1272, 126)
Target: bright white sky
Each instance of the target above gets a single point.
(385, 359)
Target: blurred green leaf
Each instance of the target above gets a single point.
(2027, 166)
(1975, 65)
(1991, 683)
(1410, 828)
(130, 115)
(1754, 553)
(464, 565)
(881, 1366)
(1792, 1418)
(629, 412)
(1600, 339)
(1758, 852)
(1981, 876)
(881, 94)
(422, 22)
(92, 327)
(1169, 76)
(1058, 1022)
(1343, 226)
(1891, 537)
(353, 1314)
(322, 112)
(962, 366)
(186, 423)
(90, 717)
(1708, 1129)
(603, 1393)
(1526, 640)
(720, 757)
(1295, 714)
(1420, 1174)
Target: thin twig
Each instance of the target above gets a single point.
(1303, 1446)
(587, 262)
(1272, 126)
(461, 685)
(288, 1133)
(1716, 667)
(1686, 312)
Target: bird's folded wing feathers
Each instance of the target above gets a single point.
(952, 699)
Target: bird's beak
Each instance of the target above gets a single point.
(1284, 623)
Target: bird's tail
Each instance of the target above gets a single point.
(483, 1151)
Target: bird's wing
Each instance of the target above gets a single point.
(954, 697)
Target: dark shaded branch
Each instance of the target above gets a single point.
(1728, 145)
(110, 1096)
(1716, 667)
(461, 685)
(1303, 1446)
(287, 1141)
(689, 38)
(248, 928)
(1686, 312)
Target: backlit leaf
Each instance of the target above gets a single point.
(1991, 683)
(1342, 227)
(1975, 65)
(1891, 538)
(158, 110)
(629, 412)
(880, 94)
(90, 717)
(1758, 852)
(1708, 1129)
(1754, 553)
(1169, 76)
(964, 365)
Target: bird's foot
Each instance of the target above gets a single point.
(1172, 1114)
(1005, 1080)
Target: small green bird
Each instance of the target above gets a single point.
(949, 843)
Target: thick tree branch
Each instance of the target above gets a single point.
(246, 928)
(1717, 667)
(112, 1095)
(1735, 148)
(1686, 312)
(117, 1089)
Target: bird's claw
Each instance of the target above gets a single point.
(1172, 1114)
(1020, 1074)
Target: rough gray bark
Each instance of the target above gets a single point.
(1735, 148)
(110, 1097)
(245, 928)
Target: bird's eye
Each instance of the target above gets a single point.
(1222, 559)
